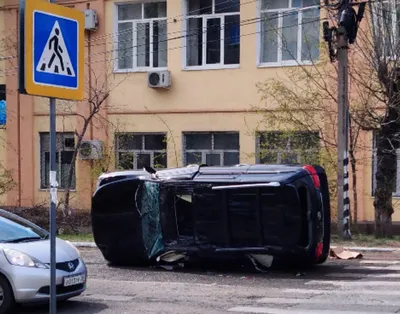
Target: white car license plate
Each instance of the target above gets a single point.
(74, 280)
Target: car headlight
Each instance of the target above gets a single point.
(18, 258)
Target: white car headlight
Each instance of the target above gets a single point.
(18, 258)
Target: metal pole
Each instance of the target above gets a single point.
(53, 201)
(342, 133)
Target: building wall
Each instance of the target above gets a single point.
(27, 116)
(199, 100)
(2, 34)
(3, 150)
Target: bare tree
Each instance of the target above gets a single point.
(99, 89)
(306, 99)
(375, 72)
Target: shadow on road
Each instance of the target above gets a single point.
(237, 267)
(81, 307)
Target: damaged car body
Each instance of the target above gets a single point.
(144, 217)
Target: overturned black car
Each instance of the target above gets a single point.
(194, 212)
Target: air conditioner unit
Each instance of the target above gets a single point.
(91, 150)
(159, 79)
(91, 20)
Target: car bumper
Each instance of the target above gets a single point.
(32, 285)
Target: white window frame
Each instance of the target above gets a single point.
(280, 151)
(204, 18)
(134, 38)
(136, 152)
(204, 152)
(380, 32)
(279, 62)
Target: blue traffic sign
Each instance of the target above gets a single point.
(52, 39)
(55, 50)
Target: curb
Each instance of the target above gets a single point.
(359, 249)
(85, 244)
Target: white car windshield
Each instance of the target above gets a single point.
(15, 230)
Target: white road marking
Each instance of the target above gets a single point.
(314, 292)
(361, 275)
(285, 300)
(252, 309)
(372, 268)
(379, 262)
(348, 284)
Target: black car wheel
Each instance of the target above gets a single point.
(6, 296)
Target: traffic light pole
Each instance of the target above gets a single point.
(344, 35)
(343, 200)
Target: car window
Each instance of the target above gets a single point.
(12, 230)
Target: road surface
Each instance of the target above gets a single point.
(369, 285)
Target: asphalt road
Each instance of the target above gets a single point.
(369, 285)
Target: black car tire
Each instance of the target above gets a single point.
(8, 296)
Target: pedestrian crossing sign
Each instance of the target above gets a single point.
(51, 50)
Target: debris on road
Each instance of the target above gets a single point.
(170, 257)
(341, 253)
(261, 262)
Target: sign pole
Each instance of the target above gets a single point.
(51, 63)
(53, 200)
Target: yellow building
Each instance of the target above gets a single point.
(210, 54)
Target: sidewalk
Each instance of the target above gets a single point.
(352, 248)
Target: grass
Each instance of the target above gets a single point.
(367, 240)
(84, 237)
(357, 240)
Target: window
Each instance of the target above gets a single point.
(287, 147)
(142, 36)
(387, 16)
(289, 31)
(212, 33)
(136, 150)
(396, 186)
(65, 146)
(213, 149)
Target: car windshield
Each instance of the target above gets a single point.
(13, 229)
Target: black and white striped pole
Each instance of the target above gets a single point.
(346, 199)
(343, 121)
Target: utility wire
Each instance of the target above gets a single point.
(169, 49)
(204, 30)
(275, 15)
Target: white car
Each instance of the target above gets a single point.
(25, 264)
